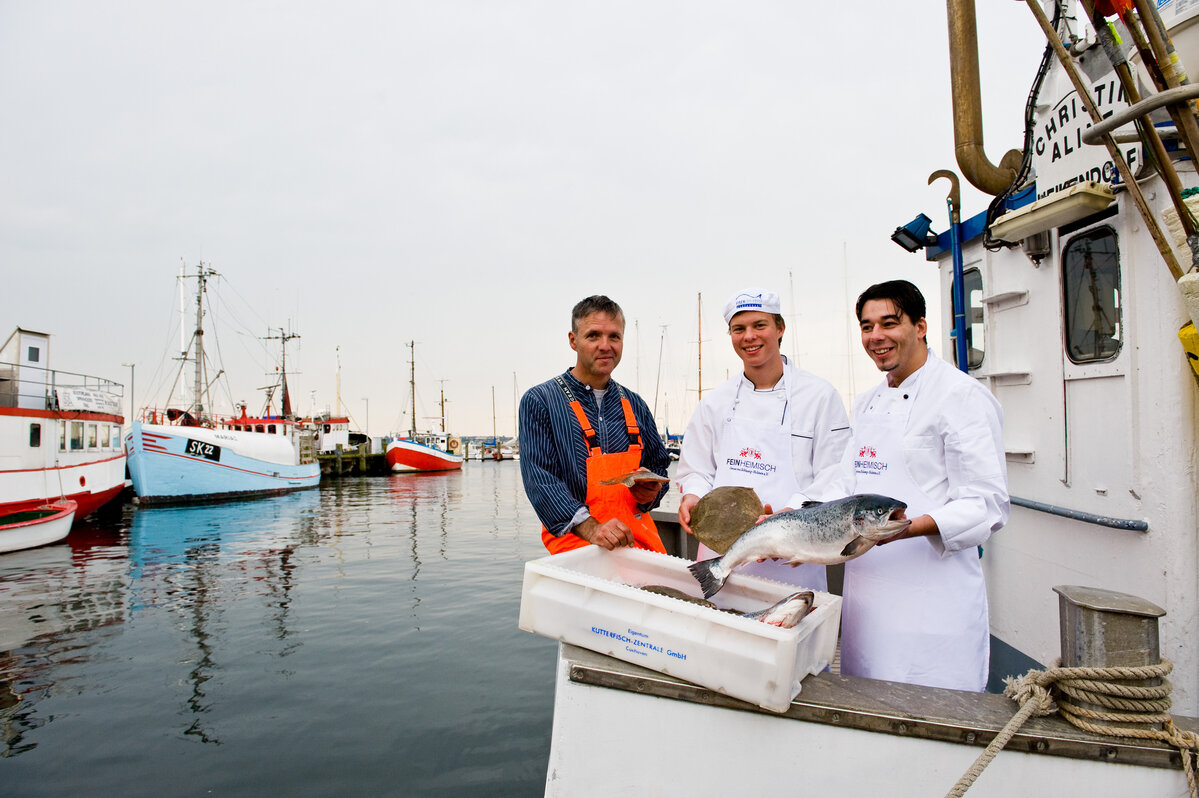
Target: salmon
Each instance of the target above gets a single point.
(818, 532)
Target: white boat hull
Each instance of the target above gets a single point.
(179, 464)
(50, 523)
(714, 750)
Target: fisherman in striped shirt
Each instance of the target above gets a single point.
(581, 430)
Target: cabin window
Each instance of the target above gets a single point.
(972, 282)
(91, 436)
(76, 435)
(116, 437)
(34, 354)
(270, 428)
(327, 427)
(258, 428)
(35, 435)
(62, 436)
(1091, 295)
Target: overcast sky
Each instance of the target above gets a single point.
(461, 173)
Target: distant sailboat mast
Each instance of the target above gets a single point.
(495, 441)
(848, 330)
(794, 320)
(699, 343)
(658, 382)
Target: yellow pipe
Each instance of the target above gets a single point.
(967, 105)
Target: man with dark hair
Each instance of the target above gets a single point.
(905, 296)
(915, 608)
(582, 429)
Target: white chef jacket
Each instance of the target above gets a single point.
(819, 427)
(953, 444)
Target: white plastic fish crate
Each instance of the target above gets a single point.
(589, 597)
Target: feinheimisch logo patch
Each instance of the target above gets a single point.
(749, 451)
(868, 462)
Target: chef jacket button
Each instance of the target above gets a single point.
(905, 396)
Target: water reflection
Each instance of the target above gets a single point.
(48, 597)
(192, 560)
(416, 497)
(366, 629)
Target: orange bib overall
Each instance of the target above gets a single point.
(606, 502)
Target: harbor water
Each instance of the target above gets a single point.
(355, 639)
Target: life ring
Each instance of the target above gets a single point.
(455, 444)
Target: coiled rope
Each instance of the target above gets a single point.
(1110, 688)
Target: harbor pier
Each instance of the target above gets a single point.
(352, 462)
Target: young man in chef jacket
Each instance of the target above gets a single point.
(915, 608)
(772, 428)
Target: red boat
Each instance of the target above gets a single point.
(425, 451)
(430, 452)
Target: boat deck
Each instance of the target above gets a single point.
(952, 716)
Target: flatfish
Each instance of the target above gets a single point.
(721, 516)
(640, 475)
(666, 590)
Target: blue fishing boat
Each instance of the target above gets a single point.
(180, 455)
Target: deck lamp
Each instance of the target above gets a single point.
(915, 234)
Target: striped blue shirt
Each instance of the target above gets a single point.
(553, 454)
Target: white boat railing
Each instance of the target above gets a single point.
(37, 388)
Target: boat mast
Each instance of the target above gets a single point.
(285, 399)
(794, 319)
(442, 406)
(699, 343)
(495, 441)
(848, 330)
(412, 382)
(658, 383)
(199, 389)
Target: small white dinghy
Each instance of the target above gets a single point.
(47, 523)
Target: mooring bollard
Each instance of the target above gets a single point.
(1106, 629)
